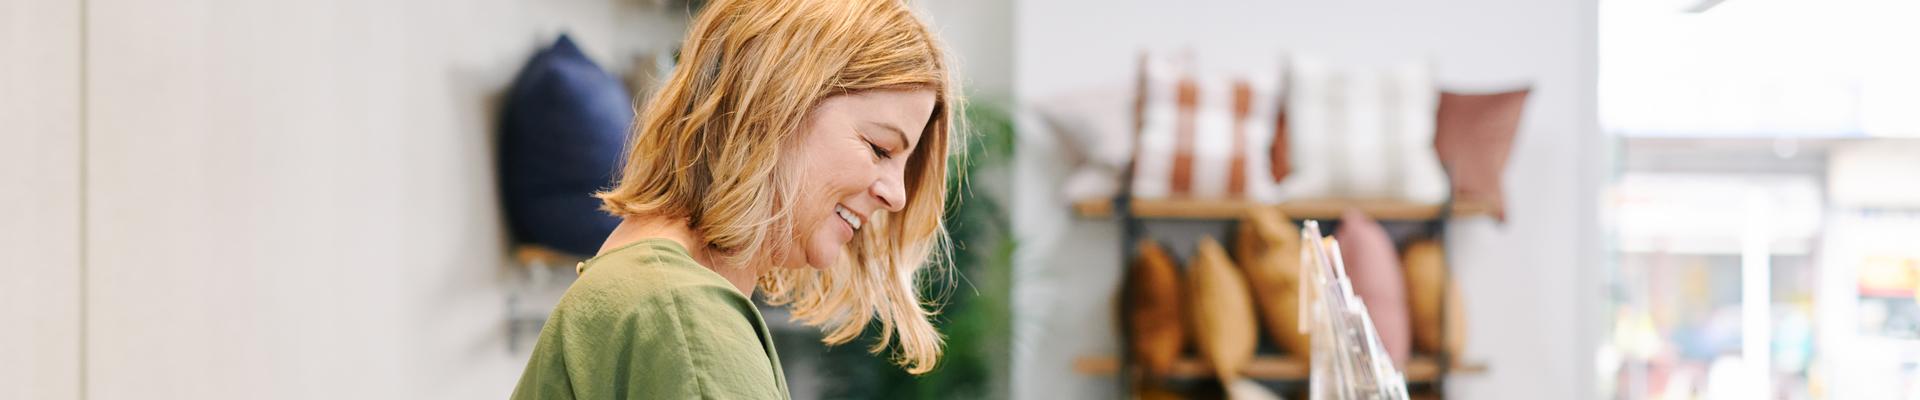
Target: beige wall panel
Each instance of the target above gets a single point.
(295, 199)
(40, 199)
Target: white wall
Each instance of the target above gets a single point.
(979, 34)
(39, 199)
(284, 199)
(1523, 282)
(212, 199)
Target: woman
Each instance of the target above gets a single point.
(800, 148)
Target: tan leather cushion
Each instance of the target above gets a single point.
(1155, 306)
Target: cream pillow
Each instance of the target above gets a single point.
(1094, 126)
(1363, 133)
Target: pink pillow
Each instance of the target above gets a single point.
(1473, 134)
(1375, 271)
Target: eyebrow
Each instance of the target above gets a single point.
(899, 134)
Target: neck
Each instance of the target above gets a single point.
(633, 229)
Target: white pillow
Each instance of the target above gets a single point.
(1095, 122)
(1422, 179)
(1362, 133)
(1154, 158)
(1095, 125)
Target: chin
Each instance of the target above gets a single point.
(826, 246)
(822, 255)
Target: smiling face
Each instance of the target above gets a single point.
(850, 165)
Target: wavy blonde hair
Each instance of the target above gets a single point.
(709, 148)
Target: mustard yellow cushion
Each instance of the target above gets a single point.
(1221, 310)
(1268, 247)
(1426, 290)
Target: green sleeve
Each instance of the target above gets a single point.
(685, 342)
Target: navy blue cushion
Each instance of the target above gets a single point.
(564, 128)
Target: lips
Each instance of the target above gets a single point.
(852, 219)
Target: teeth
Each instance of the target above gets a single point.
(852, 220)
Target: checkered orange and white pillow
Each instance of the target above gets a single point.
(1206, 136)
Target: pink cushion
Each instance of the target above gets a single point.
(1473, 135)
(1374, 268)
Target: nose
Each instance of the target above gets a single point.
(891, 191)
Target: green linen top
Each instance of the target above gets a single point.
(645, 321)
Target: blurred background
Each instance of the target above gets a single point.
(1551, 199)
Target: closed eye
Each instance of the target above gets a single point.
(880, 151)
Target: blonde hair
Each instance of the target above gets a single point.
(708, 148)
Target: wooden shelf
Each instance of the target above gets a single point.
(1419, 369)
(1303, 209)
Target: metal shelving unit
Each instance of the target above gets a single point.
(1427, 370)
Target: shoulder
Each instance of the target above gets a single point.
(673, 325)
(651, 277)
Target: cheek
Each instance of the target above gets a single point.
(824, 183)
(841, 175)
(815, 240)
